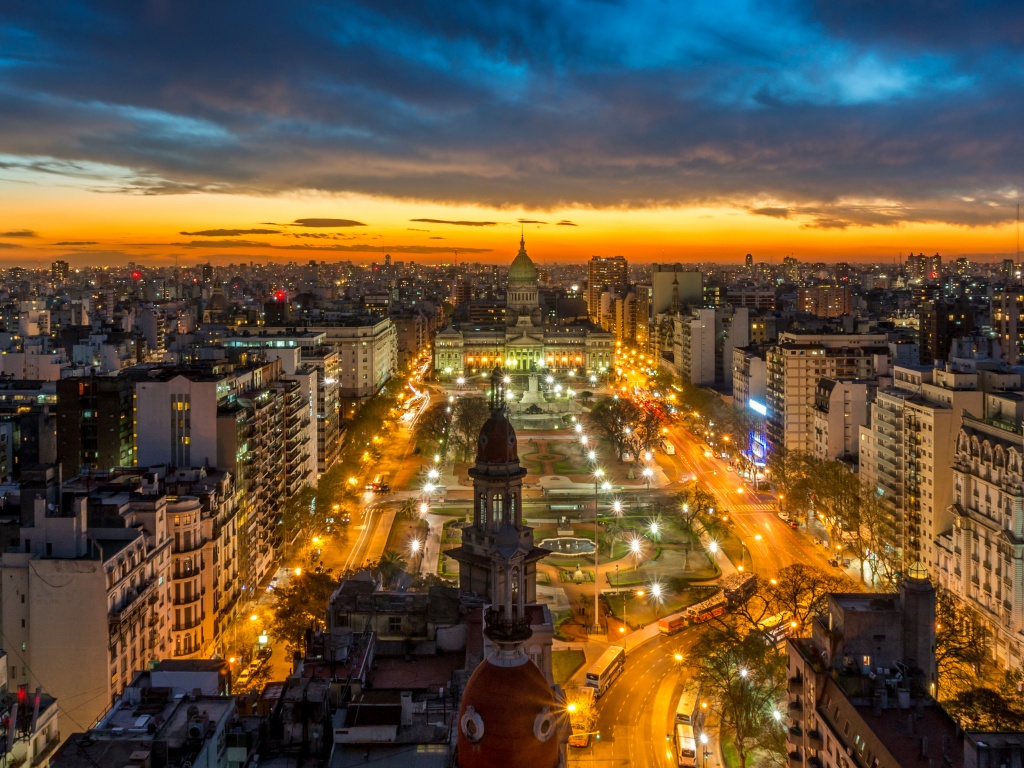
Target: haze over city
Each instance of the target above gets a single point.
(829, 131)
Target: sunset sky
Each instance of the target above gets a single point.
(150, 130)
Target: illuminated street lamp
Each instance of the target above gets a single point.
(636, 546)
(598, 474)
(704, 747)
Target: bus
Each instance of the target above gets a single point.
(602, 674)
(774, 628)
(672, 624)
(707, 609)
(688, 706)
(738, 587)
(686, 746)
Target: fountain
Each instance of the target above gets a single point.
(567, 546)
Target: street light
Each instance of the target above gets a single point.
(598, 474)
(704, 746)
(635, 547)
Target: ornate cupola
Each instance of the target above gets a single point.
(509, 716)
(497, 559)
(521, 299)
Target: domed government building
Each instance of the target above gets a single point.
(527, 342)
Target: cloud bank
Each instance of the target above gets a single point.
(843, 113)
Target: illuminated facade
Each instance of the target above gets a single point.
(523, 344)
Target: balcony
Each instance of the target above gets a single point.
(796, 686)
(814, 762)
(796, 760)
(195, 597)
(796, 712)
(815, 740)
(795, 737)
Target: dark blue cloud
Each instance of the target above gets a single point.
(840, 112)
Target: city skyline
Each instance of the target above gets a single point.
(829, 132)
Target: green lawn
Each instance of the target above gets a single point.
(565, 663)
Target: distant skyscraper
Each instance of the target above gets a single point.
(59, 272)
(606, 274)
(750, 260)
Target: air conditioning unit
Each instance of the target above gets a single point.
(197, 728)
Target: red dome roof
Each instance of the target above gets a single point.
(508, 718)
(497, 441)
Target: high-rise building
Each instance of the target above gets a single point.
(939, 323)
(59, 271)
(908, 447)
(605, 275)
(825, 301)
(749, 260)
(840, 409)
(95, 423)
(1007, 320)
(798, 361)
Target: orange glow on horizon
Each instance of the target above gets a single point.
(148, 229)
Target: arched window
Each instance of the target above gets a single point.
(512, 499)
(496, 508)
(481, 515)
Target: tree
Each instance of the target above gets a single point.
(467, 417)
(985, 709)
(432, 428)
(876, 542)
(613, 419)
(388, 568)
(962, 644)
(745, 680)
(801, 592)
(644, 433)
(301, 605)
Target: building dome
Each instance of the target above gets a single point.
(508, 717)
(522, 269)
(497, 441)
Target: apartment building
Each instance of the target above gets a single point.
(908, 447)
(796, 363)
(704, 340)
(1007, 321)
(367, 350)
(95, 423)
(96, 573)
(825, 301)
(317, 370)
(981, 555)
(674, 286)
(840, 409)
(749, 378)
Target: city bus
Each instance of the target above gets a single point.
(707, 609)
(686, 746)
(603, 672)
(672, 624)
(738, 587)
(774, 628)
(688, 706)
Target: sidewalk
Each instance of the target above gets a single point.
(432, 546)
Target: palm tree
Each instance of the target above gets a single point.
(391, 564)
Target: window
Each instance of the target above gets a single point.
(394, 624)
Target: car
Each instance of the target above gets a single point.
(833, 562)
(794, 524)
(579, 740)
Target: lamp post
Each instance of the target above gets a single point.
(647, 474)
(704, 747)
(598, 474)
